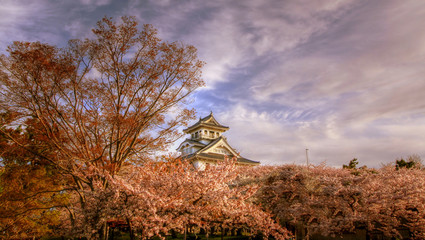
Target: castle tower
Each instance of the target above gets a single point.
(207, 145)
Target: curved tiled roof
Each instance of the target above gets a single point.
(202, 122)
(219, 157)
(196, 143)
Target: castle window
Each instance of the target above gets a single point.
(196, 135)
(212, 134)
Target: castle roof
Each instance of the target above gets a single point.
(208, 122)
(207, 152)
(219, 157)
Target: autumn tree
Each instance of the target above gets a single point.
(98, 103)
(30, 191)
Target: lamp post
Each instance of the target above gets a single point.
(306, 156)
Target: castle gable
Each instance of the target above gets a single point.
(206, 144)
(220, 146)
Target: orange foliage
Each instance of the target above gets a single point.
(98, 103)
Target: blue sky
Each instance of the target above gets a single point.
(345, 79)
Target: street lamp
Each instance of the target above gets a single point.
(306, 155)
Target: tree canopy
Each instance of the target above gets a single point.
(330, 202)
(87, 109)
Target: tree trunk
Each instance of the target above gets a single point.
(111, 234)
(130, 228)
(173, 233)
(185, 232)
(207, 235)
(222, 233)
(103, 232)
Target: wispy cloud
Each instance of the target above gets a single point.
(16, 17)
(341, 78)
(95, 3)
(282, 141)
(356, 85)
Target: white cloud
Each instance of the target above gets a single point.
(40, 20)
(11, 11)
(241, 33)
(75, 28)
(272, 140)
(95, 3)
(347, 92)
(360, 76)
(14, 15)
(231, 35)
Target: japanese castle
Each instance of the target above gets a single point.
(207, 145)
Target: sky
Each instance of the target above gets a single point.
(343, 79)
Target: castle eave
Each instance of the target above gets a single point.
(212, 157)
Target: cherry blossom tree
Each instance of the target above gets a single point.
(319, 199)
(156, 198)
(330, 202)
(395, 201)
